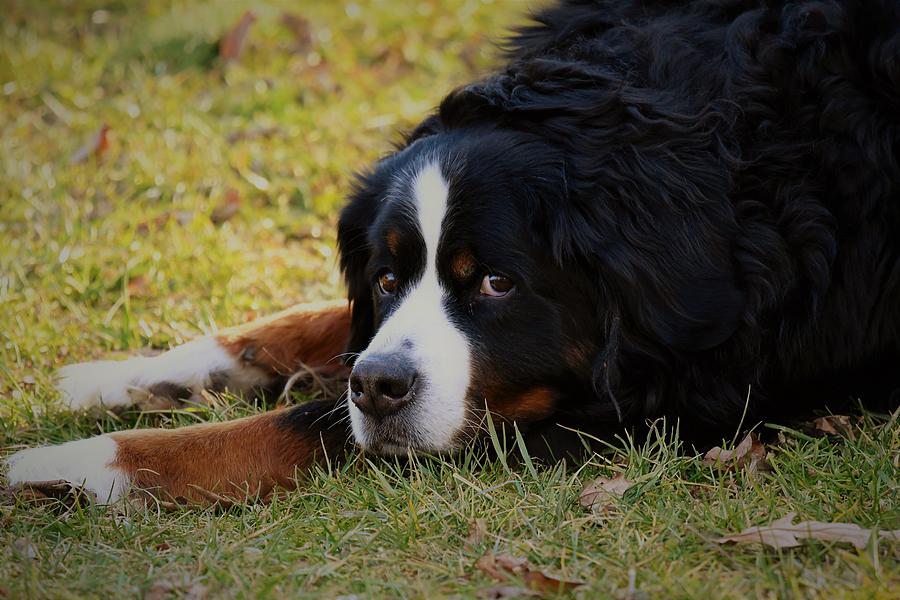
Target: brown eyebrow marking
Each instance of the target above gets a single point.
(393, 241)
(463, 265)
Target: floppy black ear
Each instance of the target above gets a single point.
(353, 244)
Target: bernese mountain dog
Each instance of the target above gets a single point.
(656, 208)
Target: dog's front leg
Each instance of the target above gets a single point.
(238, 460)
(259, 354)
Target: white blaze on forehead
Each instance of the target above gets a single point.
(420, 330)
(430, 192)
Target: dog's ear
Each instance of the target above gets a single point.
(354, 246)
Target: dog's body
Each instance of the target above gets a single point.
(653, 211)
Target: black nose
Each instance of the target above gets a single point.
(380, 385)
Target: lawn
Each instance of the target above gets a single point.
(213, 199)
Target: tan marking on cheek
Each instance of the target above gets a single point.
(283, 342)
(463, 265)
(532, 405)
(393, 242)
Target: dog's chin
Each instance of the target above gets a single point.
(399, 436)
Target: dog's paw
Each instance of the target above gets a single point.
(178, 374)
(103, 382)
(83, 464)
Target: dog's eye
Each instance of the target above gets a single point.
(496, 286)
(387, 282)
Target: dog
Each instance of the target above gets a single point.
(655, 209)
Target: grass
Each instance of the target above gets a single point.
(122, 252)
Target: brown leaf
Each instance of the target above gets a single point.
(750, 453)
(477, 531)
(226, 209)
(782, 533)
(834, 425)
(501, 566)
(95, 146)
(600, 494)
(232, 43)
(300, 29)
(138, 286)
(170, 585)
(56, 491)
(506, 591)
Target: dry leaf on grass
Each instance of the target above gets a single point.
(57, 492)
(95, 146)
(138, 286)
(300, 29)
(834, 425)
(167, 586)
(232, 43)
(750, 453)
(25, 549)
(506, 591)
(501, 566)
(600, 494)
(783, 533)
(226, 209)
(477, 531)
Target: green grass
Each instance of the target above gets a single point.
(120, 253)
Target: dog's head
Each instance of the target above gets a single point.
(457, 304)
(515, 270)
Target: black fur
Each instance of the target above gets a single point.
(701, 198)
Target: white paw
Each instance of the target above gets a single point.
(111, 383)
(85, 464)
(104, 382)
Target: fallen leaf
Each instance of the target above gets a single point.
(501, 566)
(138, 286)
(600, 494)
(232, 43)
(254, 134)
(182, 217)
(95, 146)
(170, 585)
(750, 453)
(834, 425)
(25, 549)
(477, 531)
(300, 29)
(162, 547)
(783, 533)
(506, 591)
(226, 209)
(50, 492)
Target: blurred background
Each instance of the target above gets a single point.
(169, 167)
